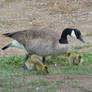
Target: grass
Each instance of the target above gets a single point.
(63, 66)
(74, 85)
(41, 85)
(81, 47)
(12, 75)
(88, 34)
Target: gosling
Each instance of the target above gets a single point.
(74, 59)
(34, 62)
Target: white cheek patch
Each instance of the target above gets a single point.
(73, 34)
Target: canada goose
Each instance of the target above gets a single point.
(44, 42)
(34, 62)
(74, 59)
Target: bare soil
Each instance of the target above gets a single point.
(83, 80)
(72, 83)
(18, 15)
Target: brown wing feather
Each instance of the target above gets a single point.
(24, 36)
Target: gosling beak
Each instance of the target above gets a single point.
(47, 72)
(81, 39)
(46, 69)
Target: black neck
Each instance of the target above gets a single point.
(64, 41)
(64, 34)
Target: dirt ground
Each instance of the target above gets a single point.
(83, 80)
(54, 14)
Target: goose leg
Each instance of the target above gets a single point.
(26, 58)
(43, 60)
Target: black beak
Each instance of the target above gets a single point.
(81, 39)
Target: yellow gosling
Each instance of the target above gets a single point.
(34, 62)
(75, 59)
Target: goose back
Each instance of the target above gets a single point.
(35, 34)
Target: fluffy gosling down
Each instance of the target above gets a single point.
(74, 59)
(44, 42)
(34, 62)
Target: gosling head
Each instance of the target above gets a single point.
(44, 68)
(67, 54)
(79, 58)
(75, 59)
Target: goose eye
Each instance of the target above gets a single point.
(77, 33)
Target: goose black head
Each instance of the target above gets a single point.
(75, 33)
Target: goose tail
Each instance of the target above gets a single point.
(8, 34)
(5, 47)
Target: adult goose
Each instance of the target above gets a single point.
(44, 42)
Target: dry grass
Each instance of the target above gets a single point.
(20, 14)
